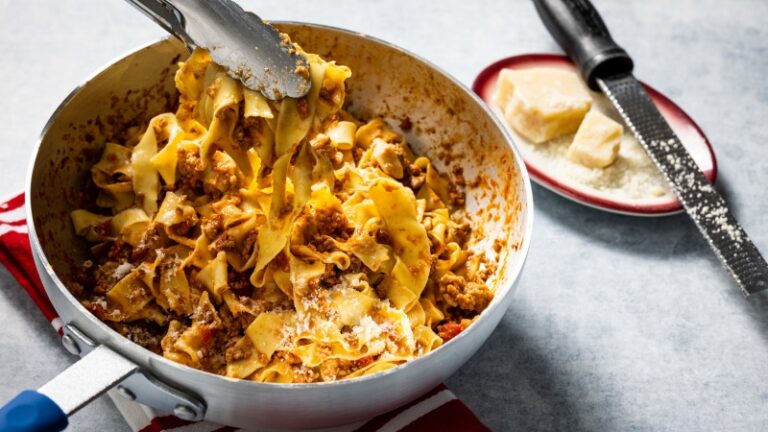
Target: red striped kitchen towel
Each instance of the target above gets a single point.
(437, 410)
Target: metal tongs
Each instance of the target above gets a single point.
(252, 50)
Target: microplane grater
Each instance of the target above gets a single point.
(702, 202)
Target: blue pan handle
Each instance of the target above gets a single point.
(47, 409)
(31, 411)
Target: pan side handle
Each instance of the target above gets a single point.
(47, 408)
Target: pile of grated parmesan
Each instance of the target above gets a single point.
(633, 177)
(367, 329)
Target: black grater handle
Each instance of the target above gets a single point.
(578, 29)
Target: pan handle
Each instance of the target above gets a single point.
(47, 409)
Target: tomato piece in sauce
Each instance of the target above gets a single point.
(448, 331)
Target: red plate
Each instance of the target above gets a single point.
(686, 129)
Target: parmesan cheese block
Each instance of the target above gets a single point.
(542, 103)
(596, 143)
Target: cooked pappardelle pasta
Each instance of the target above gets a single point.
(276, 241)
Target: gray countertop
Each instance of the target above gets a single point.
(619, 323)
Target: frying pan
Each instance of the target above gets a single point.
(440, 117)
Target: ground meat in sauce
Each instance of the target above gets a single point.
(145, 334)
(212, 226)
(455, 291)
(239, 352)
(221, 330)
(334, 369)
(455, 295)
(146, 251)
(222, 178)
(223, 243)
(189, 171)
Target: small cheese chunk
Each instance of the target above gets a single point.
(596, 143)
(542, 103)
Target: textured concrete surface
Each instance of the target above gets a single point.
(619, 324)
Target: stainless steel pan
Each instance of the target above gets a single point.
(449, 123)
